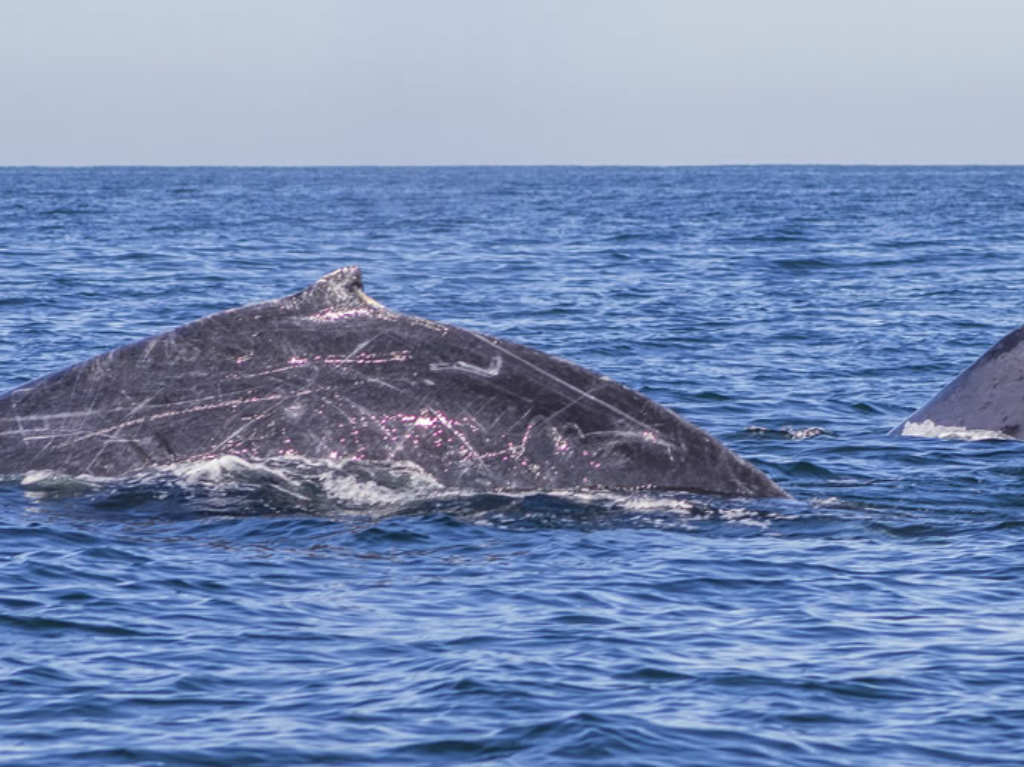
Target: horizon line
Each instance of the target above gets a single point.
(86, 166)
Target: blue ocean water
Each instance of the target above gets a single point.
(798, 313)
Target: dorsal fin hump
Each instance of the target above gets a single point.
(339, 290)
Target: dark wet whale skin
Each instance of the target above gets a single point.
(329, 374)
(987, 397)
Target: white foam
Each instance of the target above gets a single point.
(44, 483)
(628, 500)
(220, 469)
(366, 485)
(929, 428)
(334, 485)
(39, 477)
(655, 503)
(792, 432)
(349, 483)
(369, 487)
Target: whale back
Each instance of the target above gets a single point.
(330, 374)
(985, 401)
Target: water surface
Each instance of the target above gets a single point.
(797, 313)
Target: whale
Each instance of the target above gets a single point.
(330, 374)
(986, 401)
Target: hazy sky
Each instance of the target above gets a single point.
(253, 82)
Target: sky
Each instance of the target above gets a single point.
(481, 82)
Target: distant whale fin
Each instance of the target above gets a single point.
(985, 401)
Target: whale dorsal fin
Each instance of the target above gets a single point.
(340, 290)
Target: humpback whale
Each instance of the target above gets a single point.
(986, 401)
(330, 374)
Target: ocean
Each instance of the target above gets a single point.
(798, 313)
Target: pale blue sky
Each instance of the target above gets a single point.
(251, 82)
